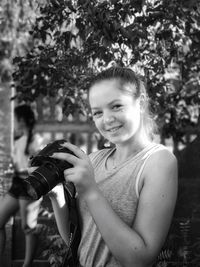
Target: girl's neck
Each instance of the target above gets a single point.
(125, 150)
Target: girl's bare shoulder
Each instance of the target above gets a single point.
(162, 163)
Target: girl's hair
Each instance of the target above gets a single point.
(25, 113)
(133, 84)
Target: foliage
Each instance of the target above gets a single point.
(56, 250)
(53, 248)
(160, 39)
(16, 19)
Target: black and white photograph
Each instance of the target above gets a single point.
(100, 133)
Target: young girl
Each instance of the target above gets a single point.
(126, 195)
(25, 145)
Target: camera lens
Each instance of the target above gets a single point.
(34, 187)
(49, 172)
(42, 180)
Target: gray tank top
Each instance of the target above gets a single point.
(120, 187)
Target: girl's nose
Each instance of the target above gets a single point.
(109, 118)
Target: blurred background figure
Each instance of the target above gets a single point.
(16, 199)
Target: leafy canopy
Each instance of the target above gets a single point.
(159, 38)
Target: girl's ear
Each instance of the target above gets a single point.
(142, 103)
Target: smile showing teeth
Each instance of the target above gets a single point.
(113, 129)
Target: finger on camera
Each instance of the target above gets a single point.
(31, 169)
(76, 150)
(68, 171)
(66, 156)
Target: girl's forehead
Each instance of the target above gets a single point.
(106, 91)
(106, 87)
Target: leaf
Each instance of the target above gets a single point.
(145, 35)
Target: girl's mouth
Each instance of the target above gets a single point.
(113, 129)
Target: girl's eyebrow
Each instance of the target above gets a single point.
(108, 104)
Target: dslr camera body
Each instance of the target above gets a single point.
(49, 172)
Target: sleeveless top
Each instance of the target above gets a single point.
(20, 159)
(120, 187)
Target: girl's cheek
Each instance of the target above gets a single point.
(97, 123)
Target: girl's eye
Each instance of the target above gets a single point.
(97, 114)
(116, 107)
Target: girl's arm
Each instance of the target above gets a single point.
(137, 246)
(140, 245)
(60, 209)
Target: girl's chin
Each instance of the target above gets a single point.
(119, 139)
(115, 139)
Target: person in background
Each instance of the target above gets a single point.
(25, 144)
(126, 194)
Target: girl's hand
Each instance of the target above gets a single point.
(31, 169)
(82, 173)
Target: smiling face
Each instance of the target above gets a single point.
(116, 113)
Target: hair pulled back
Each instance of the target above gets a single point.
(133, 84)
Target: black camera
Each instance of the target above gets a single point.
(49, 172)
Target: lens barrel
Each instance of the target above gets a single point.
(43, 179)
(49, 172)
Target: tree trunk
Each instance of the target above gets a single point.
(5, 157)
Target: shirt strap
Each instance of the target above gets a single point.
(147, 155)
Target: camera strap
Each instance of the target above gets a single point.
(71, 259)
